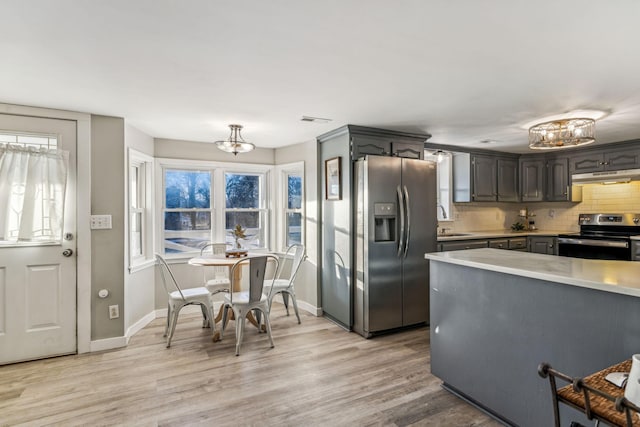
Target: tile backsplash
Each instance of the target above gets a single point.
(555, 216)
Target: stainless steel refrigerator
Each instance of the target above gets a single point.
(395, 226)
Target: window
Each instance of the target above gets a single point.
(202, 202)
(33, 175)
(291, 205)
(444, 172)
(187, 210)
(245, 205)
(140, 202)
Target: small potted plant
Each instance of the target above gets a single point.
(239, 233)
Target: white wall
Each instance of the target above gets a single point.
(307, 289)
(189, 150)
(139, 289)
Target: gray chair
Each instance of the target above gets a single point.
(216, 279)
(243, 302)
(285, 285)
(179, 298)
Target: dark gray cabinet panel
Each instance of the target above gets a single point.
(610, 160)
(459, 245)
(507, 180)
(386, 146)
(407, 150)
(518, 244)
(484, 178)
(558, 180)
(532, 180)
(499, 243)
(591, 162)
(363, 145)
(543, 245)
(621, 159)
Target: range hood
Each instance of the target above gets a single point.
(608, 177)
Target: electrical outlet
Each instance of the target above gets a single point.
(114, 312)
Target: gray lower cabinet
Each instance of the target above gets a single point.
(543, 245)
(459, 245)
(518, 244)
(499, 243)
(515, 243)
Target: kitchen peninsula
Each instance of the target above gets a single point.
(495, 315)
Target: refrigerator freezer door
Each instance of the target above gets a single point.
(419, 179)
(378, 298)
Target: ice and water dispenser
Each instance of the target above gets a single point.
(384, 215)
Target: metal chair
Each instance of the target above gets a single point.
(218, 281)
(242, 303)
(179, 298)
(284, 286)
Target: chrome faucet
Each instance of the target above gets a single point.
(444, 212)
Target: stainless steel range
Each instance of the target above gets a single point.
(602, 236)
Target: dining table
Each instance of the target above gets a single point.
(219, 260)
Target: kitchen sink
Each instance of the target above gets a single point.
(453, 234)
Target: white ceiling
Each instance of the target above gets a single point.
(464, 70)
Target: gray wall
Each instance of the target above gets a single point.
(107, 246)
(306, 283)
(139, 289)
(337, 235)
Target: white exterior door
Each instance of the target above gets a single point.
(38, 280)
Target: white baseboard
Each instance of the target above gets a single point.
(303, 305)
(117, 342)
(131, 331)
(108, 344)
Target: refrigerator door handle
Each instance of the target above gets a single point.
(408, 210)
(401, 235)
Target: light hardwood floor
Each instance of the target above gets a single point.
(317, 375)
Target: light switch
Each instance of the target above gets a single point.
(101, 222)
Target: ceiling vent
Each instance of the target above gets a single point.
(314, 119)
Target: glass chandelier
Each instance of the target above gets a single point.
(562, 133)
(235, 143)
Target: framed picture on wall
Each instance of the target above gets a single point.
(333, 179)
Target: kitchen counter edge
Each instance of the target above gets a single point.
(610, 276)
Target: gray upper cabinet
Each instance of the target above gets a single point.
(507, 180)
(484, 178)
(532, 179)
(558, 189)
(363, 145)
(610, 160)
(545, 179)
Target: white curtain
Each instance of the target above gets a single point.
(32, 190)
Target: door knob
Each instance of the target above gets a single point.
(67, 252)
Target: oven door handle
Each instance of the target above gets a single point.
(591, 242)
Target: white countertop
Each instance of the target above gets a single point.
(622, 277)
(490, 234)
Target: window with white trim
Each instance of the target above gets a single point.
(140, 208)
(444, 174)
(246, 206)
(202, 202)
(290, 204)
